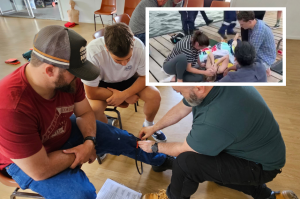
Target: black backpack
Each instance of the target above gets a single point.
(177, 37)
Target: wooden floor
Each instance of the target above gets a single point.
(16, 38)
(161, 47)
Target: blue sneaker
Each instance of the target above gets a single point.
(159, 136)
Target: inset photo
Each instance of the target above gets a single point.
(216, 46)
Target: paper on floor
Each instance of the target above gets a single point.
(114, 190)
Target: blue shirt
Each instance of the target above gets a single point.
(253, 73)
(261, 37)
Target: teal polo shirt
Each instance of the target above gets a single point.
(237, 120)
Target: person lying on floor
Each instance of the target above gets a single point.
(42, 143)
(219, 57)
(248, 68)
(182, 61)
(235, 142)
(121, 59)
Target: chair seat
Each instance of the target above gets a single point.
(107, 10)
(7, 180)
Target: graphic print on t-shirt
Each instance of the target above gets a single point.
(59, 128)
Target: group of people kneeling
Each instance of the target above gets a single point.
(193, 60)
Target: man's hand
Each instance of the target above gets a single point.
(132, 99)
(93, 157)
(117, 97)
(226, 72)
(210, 72)
(146, 132)
(146, 145)
(84, 153)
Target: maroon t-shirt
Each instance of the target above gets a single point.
(28, 121)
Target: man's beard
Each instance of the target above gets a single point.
(63, 86)
(193, 100)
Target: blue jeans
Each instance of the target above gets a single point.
(141, 37)
(73, 183)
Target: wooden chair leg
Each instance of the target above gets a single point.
(101, 20)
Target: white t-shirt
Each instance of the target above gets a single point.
(110, 71)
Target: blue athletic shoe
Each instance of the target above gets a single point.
(159, 136)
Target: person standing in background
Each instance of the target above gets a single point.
(277, 25)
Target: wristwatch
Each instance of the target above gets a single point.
(90, 138)
(154, 147)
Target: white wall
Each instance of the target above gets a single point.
(20, 5)
(292, 12)
(86, 10)
(5, 5)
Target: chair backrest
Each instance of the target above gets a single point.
(220, 4)
(99, 33)
(122, 18)
(130, 6)
(7, 180)
(193, 3)
(108, 3)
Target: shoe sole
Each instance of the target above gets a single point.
(287, 195)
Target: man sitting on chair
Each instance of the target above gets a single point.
(42, 143)
(121, 59)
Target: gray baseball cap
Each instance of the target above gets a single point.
(64, 48)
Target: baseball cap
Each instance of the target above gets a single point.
(64, 48)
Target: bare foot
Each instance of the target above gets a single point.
(268, 71)
(179, 80)
(173, 79)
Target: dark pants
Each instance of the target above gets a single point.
(229, 22)
(204, 17)
(120, 86)
(188, 21)
(190, 169)
(177, 66)
(141, 37)
(258, 15)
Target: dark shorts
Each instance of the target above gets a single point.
(121, 86)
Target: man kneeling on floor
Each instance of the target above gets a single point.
(121, 59)
(235, 142)
(42, 144)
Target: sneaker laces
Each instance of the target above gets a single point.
(158, 132)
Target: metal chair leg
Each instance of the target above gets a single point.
(95, 21)
(119, 117)
(25, 195)
(101, 20)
